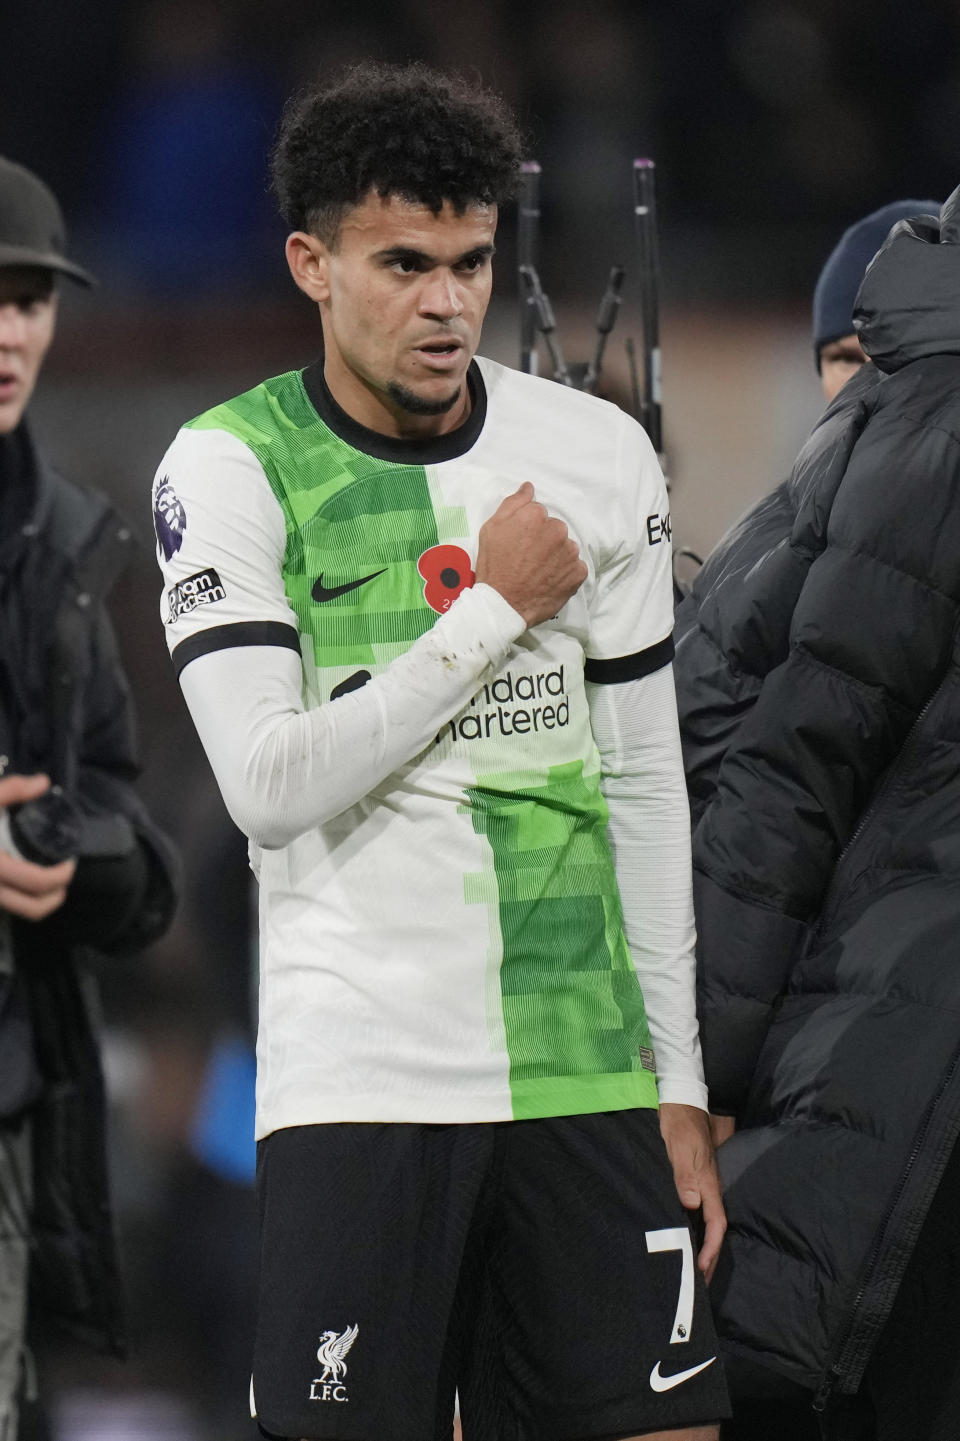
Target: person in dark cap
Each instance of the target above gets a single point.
(820, 704)
(82, 867)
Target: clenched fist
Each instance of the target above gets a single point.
(528, 556)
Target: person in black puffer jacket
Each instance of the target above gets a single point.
(712, 696)
(819, 685)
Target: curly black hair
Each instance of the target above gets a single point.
(404, 130)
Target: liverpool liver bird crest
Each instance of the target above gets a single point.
(333, 1348)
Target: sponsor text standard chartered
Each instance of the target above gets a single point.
(503, 716)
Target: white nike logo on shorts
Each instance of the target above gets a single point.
(666, 1383)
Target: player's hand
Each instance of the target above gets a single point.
(721, 1129)
(528, 556)
(27, 890)
(686, 1134)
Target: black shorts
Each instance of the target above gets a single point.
(544, 1269)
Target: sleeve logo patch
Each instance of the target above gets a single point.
(169, 518)
(204, 588)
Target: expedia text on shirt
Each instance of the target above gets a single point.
(658, 528)
(494, 710)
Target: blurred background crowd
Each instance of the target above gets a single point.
(773, 123)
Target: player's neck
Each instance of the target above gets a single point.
(376, 410)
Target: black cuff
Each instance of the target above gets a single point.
(226, 637)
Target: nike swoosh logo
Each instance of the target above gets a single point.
(321, 592)
(667, 1383)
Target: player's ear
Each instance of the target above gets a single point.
(309, 260)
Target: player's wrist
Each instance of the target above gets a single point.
(682, 1091)
(508, 622)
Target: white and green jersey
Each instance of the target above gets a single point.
(450, 946)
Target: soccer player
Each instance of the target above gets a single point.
(420, 606)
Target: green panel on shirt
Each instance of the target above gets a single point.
(572, 1006)
(348, 516)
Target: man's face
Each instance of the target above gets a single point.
(402, 297)
(28, 310)
(839, 359)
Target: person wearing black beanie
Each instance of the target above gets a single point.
(838, 356)
(836, 349)
(817, 687)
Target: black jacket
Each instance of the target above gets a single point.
(65, 710)
(819, 684)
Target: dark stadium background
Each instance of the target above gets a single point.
(773, 124)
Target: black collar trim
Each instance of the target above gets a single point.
(428, 451)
